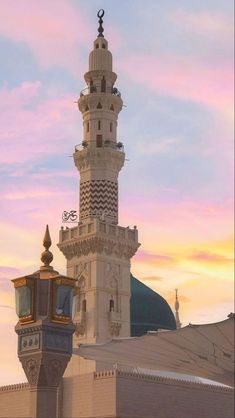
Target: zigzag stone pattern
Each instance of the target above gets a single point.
(99, 197)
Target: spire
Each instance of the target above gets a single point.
(47, 256)
(100, 14)
(177, 305)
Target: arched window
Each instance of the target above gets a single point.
(111, 107)
(97, 46)
(84, 305)
(99, 106)
(103, 46)
(99, 125)
(111, 127)
(111, 305)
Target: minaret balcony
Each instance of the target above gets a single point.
(99, 89)
(107, 143)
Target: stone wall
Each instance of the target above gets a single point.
(159, 397)
(123, 394)
(14, 401)
(89, 396)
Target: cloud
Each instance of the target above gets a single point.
(208, 257)
(152, 279)
(53, 29)
(156, 259)
(205, 23)
(33, 195)
(160, 146)
(183, 77)
(34, 124)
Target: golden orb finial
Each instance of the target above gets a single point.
(47, 256)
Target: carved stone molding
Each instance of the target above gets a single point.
(115, 328)
(45, 370)
(31, 368)
(95, 244)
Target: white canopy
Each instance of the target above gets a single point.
(205, 351)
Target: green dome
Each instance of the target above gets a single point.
(149, 311)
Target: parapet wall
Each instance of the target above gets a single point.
(126, 394)
(14, 401)
(144, 396)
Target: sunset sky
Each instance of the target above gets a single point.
(174, 61)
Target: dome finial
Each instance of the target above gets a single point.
(47, 256)
(100, 14)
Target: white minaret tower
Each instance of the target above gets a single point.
(98, 250)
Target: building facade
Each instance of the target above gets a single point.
(98, 252)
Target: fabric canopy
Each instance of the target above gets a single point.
(205, 351)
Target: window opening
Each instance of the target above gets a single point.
(87, 127)
(111, 305)
(99, 106)
(84, 305)
(99, 141)
(99, 125)
(103, 85)
(111, 127)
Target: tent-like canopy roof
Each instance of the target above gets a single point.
(205, 351)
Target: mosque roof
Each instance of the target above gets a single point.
(205, 350)
(149, 310)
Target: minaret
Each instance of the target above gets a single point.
(98, 250)
(177, 305)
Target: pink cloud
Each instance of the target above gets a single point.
(33, 195)
(32, 125)
(53, 29)
(183, 77)
(156, 259)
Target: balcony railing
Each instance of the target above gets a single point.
(99, 89)
(107, 143)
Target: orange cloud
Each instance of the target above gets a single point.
(208, 257)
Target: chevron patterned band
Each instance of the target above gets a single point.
(99, 197)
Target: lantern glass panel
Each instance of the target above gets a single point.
(64, 299)
(23, 301)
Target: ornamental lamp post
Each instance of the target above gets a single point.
(45, 329)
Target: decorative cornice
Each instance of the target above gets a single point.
(94, 244)
(96, 158)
